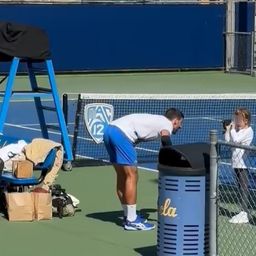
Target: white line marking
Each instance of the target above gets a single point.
(148, 150)
(30, 128)
(107, 161)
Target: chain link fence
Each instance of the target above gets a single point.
(240, 52)
(236, 199)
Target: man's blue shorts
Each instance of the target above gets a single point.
(120, 148)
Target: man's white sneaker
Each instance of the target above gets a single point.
(138, 224)
(240, 218)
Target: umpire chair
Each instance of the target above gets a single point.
(30, 46)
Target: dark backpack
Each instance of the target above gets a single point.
(62, 204)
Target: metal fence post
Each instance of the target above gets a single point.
(252, 52)
(213, 193)
(230, 40)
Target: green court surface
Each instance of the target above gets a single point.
(146, 82)
(96, 230)
(235, 239)
(161, 83)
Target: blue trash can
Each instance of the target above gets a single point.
(183, 186)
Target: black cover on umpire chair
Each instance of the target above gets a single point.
(23, 41)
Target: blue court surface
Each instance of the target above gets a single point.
(22, 122)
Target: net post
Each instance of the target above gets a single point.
(213, 193)
(65, 110)
(65, 107)
(77, 121)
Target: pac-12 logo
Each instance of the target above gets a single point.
(96, 117)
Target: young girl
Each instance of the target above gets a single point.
(240, 131)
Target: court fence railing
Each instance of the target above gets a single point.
(232, 215)
(110, 1)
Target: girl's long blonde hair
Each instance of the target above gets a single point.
(245, 113)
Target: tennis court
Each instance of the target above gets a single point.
(96, 229)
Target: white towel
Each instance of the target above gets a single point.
(74, 200)
(10, 150)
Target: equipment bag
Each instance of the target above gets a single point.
(62, 203)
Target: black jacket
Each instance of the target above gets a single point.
(25, 42)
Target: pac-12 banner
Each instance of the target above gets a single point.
(97, 116)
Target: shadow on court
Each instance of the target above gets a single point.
(227, 213)
(154, 181)
(146, 251)
(116, 217)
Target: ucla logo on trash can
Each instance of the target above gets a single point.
(96, 117)
(167, 210)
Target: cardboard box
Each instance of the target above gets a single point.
(22, 168)
(20, 206)
(43, 205)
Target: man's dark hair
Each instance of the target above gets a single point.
(172, 113)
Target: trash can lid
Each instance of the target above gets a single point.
(23, 41)
(194, 155)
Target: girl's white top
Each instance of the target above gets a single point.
(243, 137)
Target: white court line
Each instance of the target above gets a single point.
(39, 130)
(203, 118)
(149, 150)
(88, 139)
(72, 123)
(26, 99)
(83, 138)
(107, 161)
(30, 128)
(58, 133)
(147, 169)
(212, 119)
(37, 124)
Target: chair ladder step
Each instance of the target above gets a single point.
(49, 108)
(28, 94)
(38, 70)
(53, 127)
(42, 89)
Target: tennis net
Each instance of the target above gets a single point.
(202, 113)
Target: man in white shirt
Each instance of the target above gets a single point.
(240, 131)
(120, 138)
